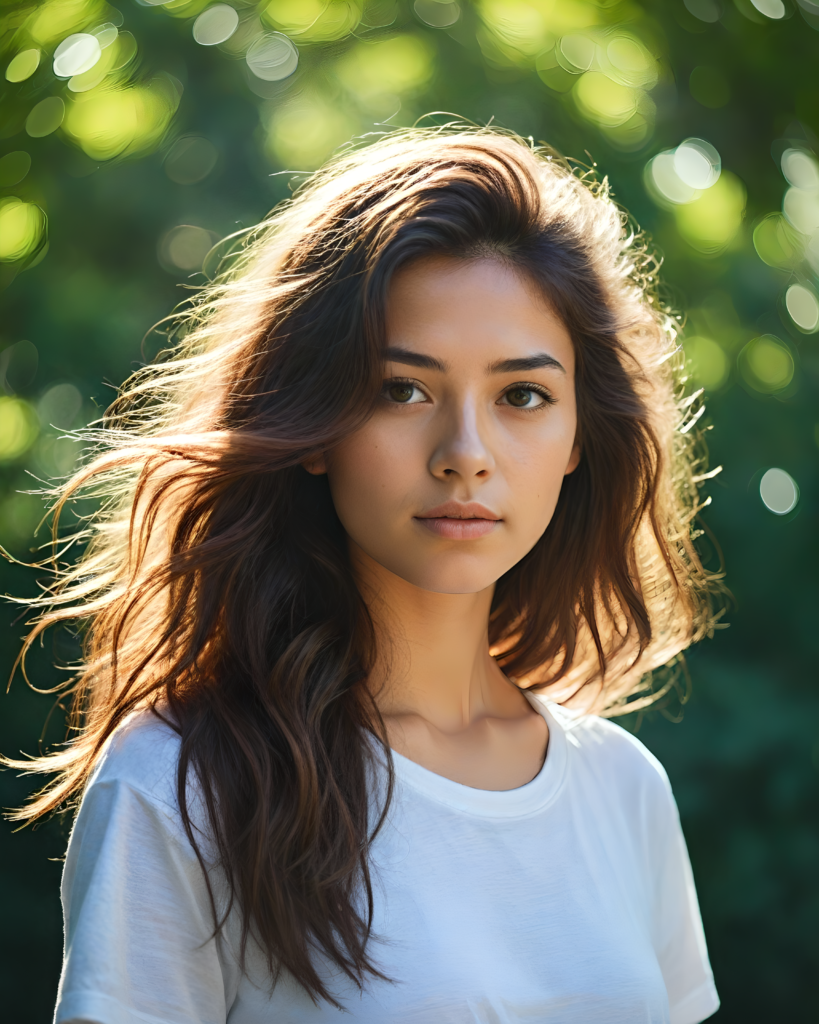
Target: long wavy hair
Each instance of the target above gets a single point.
(215, 586)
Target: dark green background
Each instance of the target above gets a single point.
(744, 759)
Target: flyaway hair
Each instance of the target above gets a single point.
(216, 587)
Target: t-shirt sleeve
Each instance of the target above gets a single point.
(679, 940)
(139, 945)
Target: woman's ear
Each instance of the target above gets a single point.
(574, 458)
(315, 465)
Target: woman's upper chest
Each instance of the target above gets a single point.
(493, 753)
(480, 919)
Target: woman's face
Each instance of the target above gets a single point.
(457, 473)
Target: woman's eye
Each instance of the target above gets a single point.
(526, 398)
(403, 393)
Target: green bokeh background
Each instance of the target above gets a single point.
(744, 758)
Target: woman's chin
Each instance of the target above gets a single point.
(443, 579)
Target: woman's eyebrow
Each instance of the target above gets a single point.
(541, 361)
(409, 358)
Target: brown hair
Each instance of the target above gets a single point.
(216, 587)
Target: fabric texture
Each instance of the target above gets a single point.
(568, 900)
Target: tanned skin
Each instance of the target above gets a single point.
(447, 486)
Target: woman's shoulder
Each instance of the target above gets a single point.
(142, 754)
(607, 747)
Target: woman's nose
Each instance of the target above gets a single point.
(462, 447)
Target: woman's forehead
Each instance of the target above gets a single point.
(482, 309)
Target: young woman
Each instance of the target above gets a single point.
(403, 512)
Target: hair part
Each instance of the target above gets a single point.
(216, 587)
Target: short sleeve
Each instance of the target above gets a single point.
(139, 944)
(679, 940)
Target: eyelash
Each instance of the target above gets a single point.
(538, 389)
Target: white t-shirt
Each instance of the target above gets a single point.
(568, 900)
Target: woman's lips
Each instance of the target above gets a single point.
(456, 521)
(458, 529)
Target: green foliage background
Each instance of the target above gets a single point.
(739, 75)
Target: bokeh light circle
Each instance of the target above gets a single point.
(106, 34)
(23, 66)
(705, 10)
(665, 183)
(14, 167)
(803, 307)
(272, 57)
(215, 25)
(18, 427)
(578, 52)
(437, 13)
(76, 54)
(800, 169)
(59, 407)
(697, 163)
(778, 492)
(766, 364)
(773, 9)
(801, 207)
(190, 160)
(22, 228)
(185, 247)
(46, 117)
(708, 363)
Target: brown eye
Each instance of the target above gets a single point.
(400, 392)
(527, 396)
(520, 397)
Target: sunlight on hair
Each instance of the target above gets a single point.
(778, 491)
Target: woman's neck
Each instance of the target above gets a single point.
(446, 705)
(433, 655)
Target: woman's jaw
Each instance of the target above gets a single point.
(456, 474)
